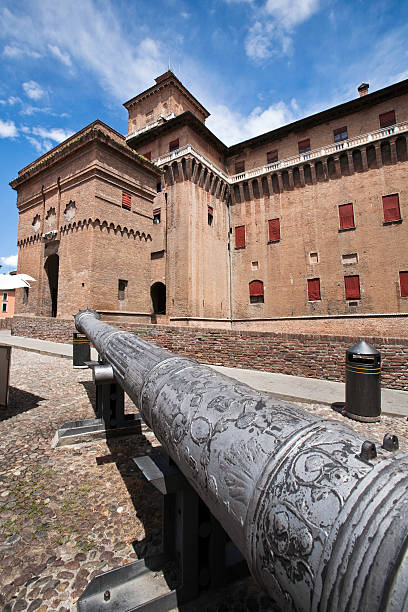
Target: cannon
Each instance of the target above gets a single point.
(319, 513)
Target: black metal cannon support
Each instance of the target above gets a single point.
(203, 553)
(109, 408)
(320, 518)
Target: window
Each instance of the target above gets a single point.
(126, 200)
(156, 216)
(158, 187)
(391, 208)
(122, 289)
(239, 166)
(240, 237)
(314, 258)
(25, 295)
(256, 292)
(210, 215)
(5, 297)
(313, 289)
(174, 145)
(157, 254)
(352, 287)
(4, 308)
(254, 265)
(403, 284)
(349, 258)
(304, 145)
(346, 216)
(340, 134)
(387, 119)
(148, 155)
(274, 230)
(272, 156)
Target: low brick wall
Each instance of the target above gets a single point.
(316, 356)
(6, 323)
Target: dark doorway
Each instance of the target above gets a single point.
(158, 295)
(51, 267)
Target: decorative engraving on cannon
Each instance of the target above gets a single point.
(322, 525)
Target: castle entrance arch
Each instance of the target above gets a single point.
(52, 268)
(158, 295)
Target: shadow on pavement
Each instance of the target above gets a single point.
(19, 401)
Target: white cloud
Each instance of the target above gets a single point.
(291, 12)
(33, 90)
(44, 139)
(89, 34)
(63, 57)
(232, 126)
(55, 134)
(267, 39)
(15, 51)
(13, 100)
(10, 261)
(37, 144)
(29, 110)
(273, 23)
(8, 129)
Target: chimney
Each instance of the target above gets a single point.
(363, 89)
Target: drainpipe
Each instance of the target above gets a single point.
(229, 256)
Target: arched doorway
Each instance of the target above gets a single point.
(158, 295)
(51, 267)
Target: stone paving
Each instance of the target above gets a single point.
(69, 513)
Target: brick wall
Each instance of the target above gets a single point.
(315, 356)
(5, 323)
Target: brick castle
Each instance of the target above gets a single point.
(170, 225)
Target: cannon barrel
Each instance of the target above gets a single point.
(319, 513)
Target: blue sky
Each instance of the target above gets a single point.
(254, 64)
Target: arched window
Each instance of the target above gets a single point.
(357, 161)
(344, 165)
(401, 149)
(331, 167)
(319, 171)
(385, 153)
(256, 292)
(307, 173)
(296, 177)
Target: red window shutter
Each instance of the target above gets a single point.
(274, 230)
(404, 283)
(240, 236)
(304, 145)
(156, 211)
(313, 289)
(148, 155)
(210, 210)
(346, 216)
(387, 119)
(352, 286)
(174, 144)
(126, 200)
(391, 207)
(256, 288)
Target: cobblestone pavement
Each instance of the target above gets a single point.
(69, 513)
